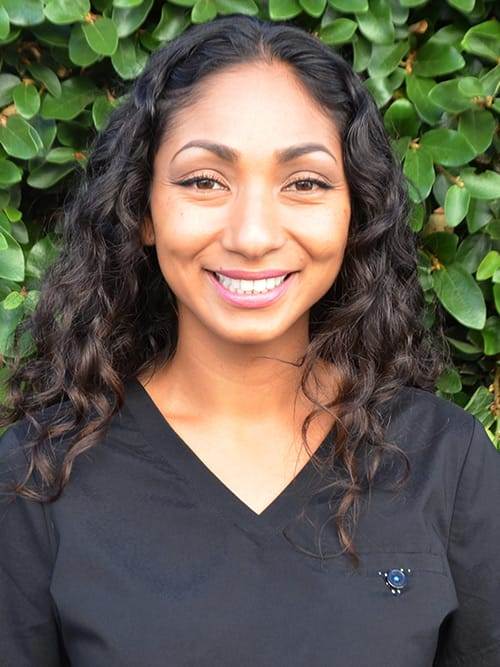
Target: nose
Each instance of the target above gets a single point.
(254, 225)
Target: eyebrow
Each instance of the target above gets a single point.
(230, 155)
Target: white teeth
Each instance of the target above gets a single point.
(260, 286)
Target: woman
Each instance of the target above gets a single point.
(226, 456)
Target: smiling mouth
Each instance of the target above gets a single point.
(241, 286)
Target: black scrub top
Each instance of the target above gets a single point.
(148, 560)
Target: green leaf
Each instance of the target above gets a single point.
(13, 301)
(4, 23)
(484, 185)
(76, 94)
(478, 128)
(471, 251)
(376, 23)
(61, 155)
(449, 96)
(8, 82)
(47, 77)
(456, 205)
(418, 90)
(313, 7)
(129, 20)
(412, 3)
(419, 169)
(24, 12)
(172, 23)
(458, 292)
(101, 35)
(203, 11)
(340, 31)
(480, 405)
(443, 245)
(41, 256)
(11, 259)
(382, 87)
(496, 296)
(401, 119)
(79, 50)
(9, 173)
(282, 10)
(435, 59)
(55, 35)
(46, 175)
(126, 3)
(129, 59)
(386, 57)
(491, 81)
(9, 320)
(465, 6)
(478, 215)
(483, 40)
(489, 264)
(465, 348)
(362, 50)
(448, 147)
(349, 5)
(66, 11)
(449, 381)
(471, 86)
(491, 335)
(101, 110)
(26, 99)
(247, 7)
(19, 138)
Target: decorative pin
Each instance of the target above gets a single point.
(396, 579)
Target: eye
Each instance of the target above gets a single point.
(203, 183)
(307, 185)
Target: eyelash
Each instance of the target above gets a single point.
(193, 180)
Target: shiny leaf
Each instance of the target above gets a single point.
(76, 94)
(340, 31)
(483, 40)
(47, 77)
(11, 259)
(101, 35)
(203, 11)
(488, 266)
(456, 205)
(172, 23)
(484, 185)
(24, 12)
(129, 20)
(401, 119)
(418, 90)
(385, 58)
(448, 147)
(458, 292)
(47, 175)
(4, 23)
(448, 95)
(491, 335)
(19, 138)
(66, 11)
(281, 10)
(129, 59)
(419, 169)
(26, 99)
(9, 173)
(312, 7)
(79, 50)
(350, 5)
(41, 256)
(434, 59)
(247, 7)
(376, 23)
(478, 128)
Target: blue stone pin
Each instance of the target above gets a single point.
(396, 579)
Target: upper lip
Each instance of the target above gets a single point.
(238, 274)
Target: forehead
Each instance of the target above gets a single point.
(254, 104)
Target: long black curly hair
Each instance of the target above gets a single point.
(106, 314)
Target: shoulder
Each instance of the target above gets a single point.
(440, 439)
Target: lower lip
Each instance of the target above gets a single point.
(251, 300)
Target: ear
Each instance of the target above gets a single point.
(147, 231)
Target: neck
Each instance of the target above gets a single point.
(207, 375)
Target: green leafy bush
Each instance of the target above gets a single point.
(432, 67)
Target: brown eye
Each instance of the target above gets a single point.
(206, 184)
(304, 186)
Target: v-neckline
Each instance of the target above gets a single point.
(207, 486)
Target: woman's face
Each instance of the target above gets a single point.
(249, 207)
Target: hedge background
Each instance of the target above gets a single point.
(432, 67)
